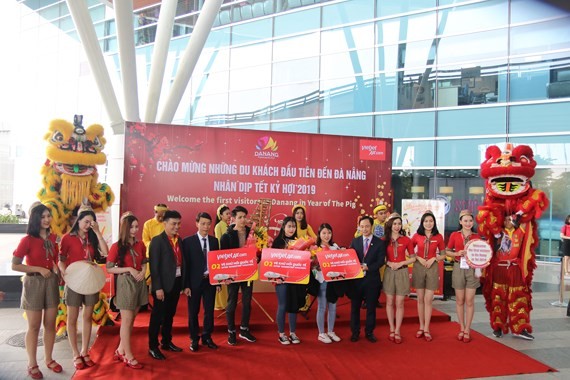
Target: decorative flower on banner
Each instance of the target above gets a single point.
(258, 238)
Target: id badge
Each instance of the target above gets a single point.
(463, 263)
(178, 272)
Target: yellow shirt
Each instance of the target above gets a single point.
(221, 228)
(151, 228)
(303, 233)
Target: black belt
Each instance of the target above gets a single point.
(33, 274)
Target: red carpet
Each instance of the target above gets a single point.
(311, 359)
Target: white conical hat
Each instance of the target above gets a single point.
(84, 277)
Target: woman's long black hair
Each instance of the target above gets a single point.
(91, 236)
(35, 221)
(422, 230)
(322, 227)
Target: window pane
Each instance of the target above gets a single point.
(528, 10)
(539, 118)
(464, 152)
(405, 125)
(348, 63)
(347, 12)
(409, 154)
(298, 70)
(544, 36)
(297, 22)
(387, 8)
(472, 47)
(404, 90)
(346, 95)
(469, 122)
(300, 100)
(250, 105)
(204, 106)
(252, 31)
(347, 126)
(548, 150)
(351, 37)
(540, 77)
(303, 46)
(469, 18)
(250, 77)
(243, 55)
(414, 27)
(210, 83)
(305, 126)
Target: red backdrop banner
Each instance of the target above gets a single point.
(195, 169)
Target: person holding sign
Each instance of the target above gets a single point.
(165, 256)
(235, 238)
(325, 241)
(40, 291)
(196, 281)
(371, 252)
(127, 259)
(463, 278)
(399, 254)
(287, 234)
(429, 250)
(83, 242)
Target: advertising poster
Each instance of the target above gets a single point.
(232, 265)
(196, 169)
(338, 265)
(285, 265)
(412, 211)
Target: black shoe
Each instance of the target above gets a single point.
(171, 347)
(363, 306)
(194, 346)
(210, 344)
(498, 333)
(524, 335)
(371, 338)
(247, 335)
(354, 337)
(155, 353)
(232, 339)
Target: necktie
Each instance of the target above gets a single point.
(205, 251)
(366, 246)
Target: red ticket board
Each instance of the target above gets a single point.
(285, 265)
(232, 265)
(339, 265)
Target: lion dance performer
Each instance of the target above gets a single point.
(69, 176)
(508, 219)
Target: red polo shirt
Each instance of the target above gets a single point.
(399, 255)
(139, 258)
(73, 248)
(435, 243)
(34, 250)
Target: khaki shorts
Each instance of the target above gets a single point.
(75, 299)
(131, 294)
(40, 293)
(423, 278)
(396, 282)
(464, 278)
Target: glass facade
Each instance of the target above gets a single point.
(444, 78)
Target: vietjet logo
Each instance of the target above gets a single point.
(266, 148)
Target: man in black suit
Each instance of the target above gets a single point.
(371, 252)
(165, 257)
(196, 281)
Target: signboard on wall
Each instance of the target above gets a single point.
(195, 169)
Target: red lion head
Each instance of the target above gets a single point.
(508, 172)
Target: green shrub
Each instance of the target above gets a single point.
(9, 219)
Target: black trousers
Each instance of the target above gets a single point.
(162, 315)
(207, 294)
(246, 294)
(364, 289)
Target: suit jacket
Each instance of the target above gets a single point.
(162, 263)
(230, 239)
(193, 260)
(375, 257)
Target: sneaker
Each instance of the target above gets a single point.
(283, 339)
(498, 333)
(334, 337)
(245, 334)
(524, 335)
(324, 338)
(294, 338)
(232, 339)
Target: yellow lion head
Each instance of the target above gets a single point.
(73, 149)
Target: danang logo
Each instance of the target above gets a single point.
(373, 150)
(266, 148)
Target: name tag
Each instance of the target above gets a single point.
(463, 263)
(178, 272)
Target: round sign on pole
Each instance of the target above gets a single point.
(479, 253)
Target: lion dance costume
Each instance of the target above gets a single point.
(510, 197)
(69, 176)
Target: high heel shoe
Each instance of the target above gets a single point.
(133, 363)
(78, 362)
(87, 360)
(117, 357)
(391, 336)
(35, 373)
(54, 366)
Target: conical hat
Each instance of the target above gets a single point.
(84, 277)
